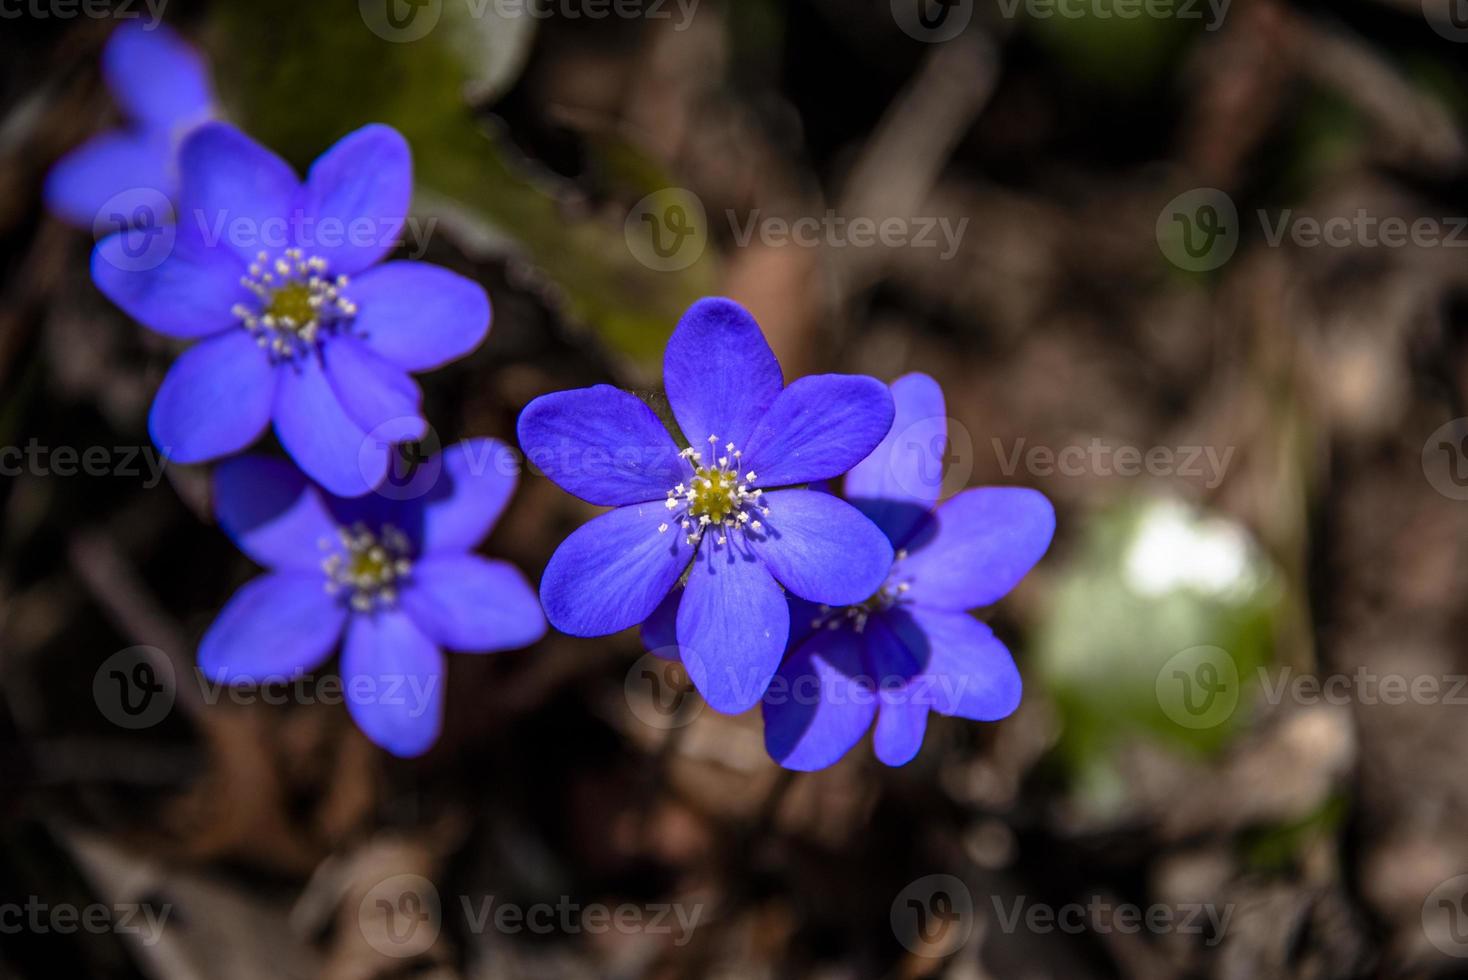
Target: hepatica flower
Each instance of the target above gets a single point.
(162, 85)
(296, 321)
(714, 509)
(391, 581)
(910, 646)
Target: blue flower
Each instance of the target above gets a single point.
(392, 580)
(258, 273)
(713, 509)
(912, 647)
(162, 85)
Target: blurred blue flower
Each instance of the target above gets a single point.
(712, 509)
(258, 273)
(911, 647)
(162, 85)
(392, 581)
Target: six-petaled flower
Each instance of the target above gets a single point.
(296, 321)
(728, 509)
(392, 581)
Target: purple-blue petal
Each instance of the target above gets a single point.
(977, 546)
(93, 174)
(356, 199)
(719, 372)
(214, 401)
(377, 395)
(612, 572)
(901, 724)
(476, 479)
(321, 437)
(275, 627)
(272, 512)
(419, 316)
(821, 548)
(900, 481)
(732, 626)
(190, 293)
(601, 444)
(472, 604)
(967, 672)
(820, 704)
(393, 678)
(234, 194)
(157, 77)
(820, 427)
(660, 630)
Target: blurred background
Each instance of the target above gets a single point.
(1198, 272)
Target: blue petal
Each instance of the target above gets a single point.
(272, 513)
(903, 686)
(732, 627)
(899, 482)
(476, 479)
(472, 604)
(660, 630)
(821, 548)
(612, 572)
(214, 401)
(805, 619)
(156, 76)
(819, 428)
(601, 444)
(966, 671)
(275, 627)
(978, 546)
(720, 374)
(234, 194)
(190, 293)
(393, 677)
(901, 725)
(419, 316)
(820, 704)
(319, 435)
(356, 199)
(89, 177)
(379, 396)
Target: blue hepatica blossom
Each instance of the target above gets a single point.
(714, 509)
(911, 647)
(392, 581)
(162, 85)
(296, 321)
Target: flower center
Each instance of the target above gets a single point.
(716, 495)
(368, 567)
(892, 593)
(296, 300)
